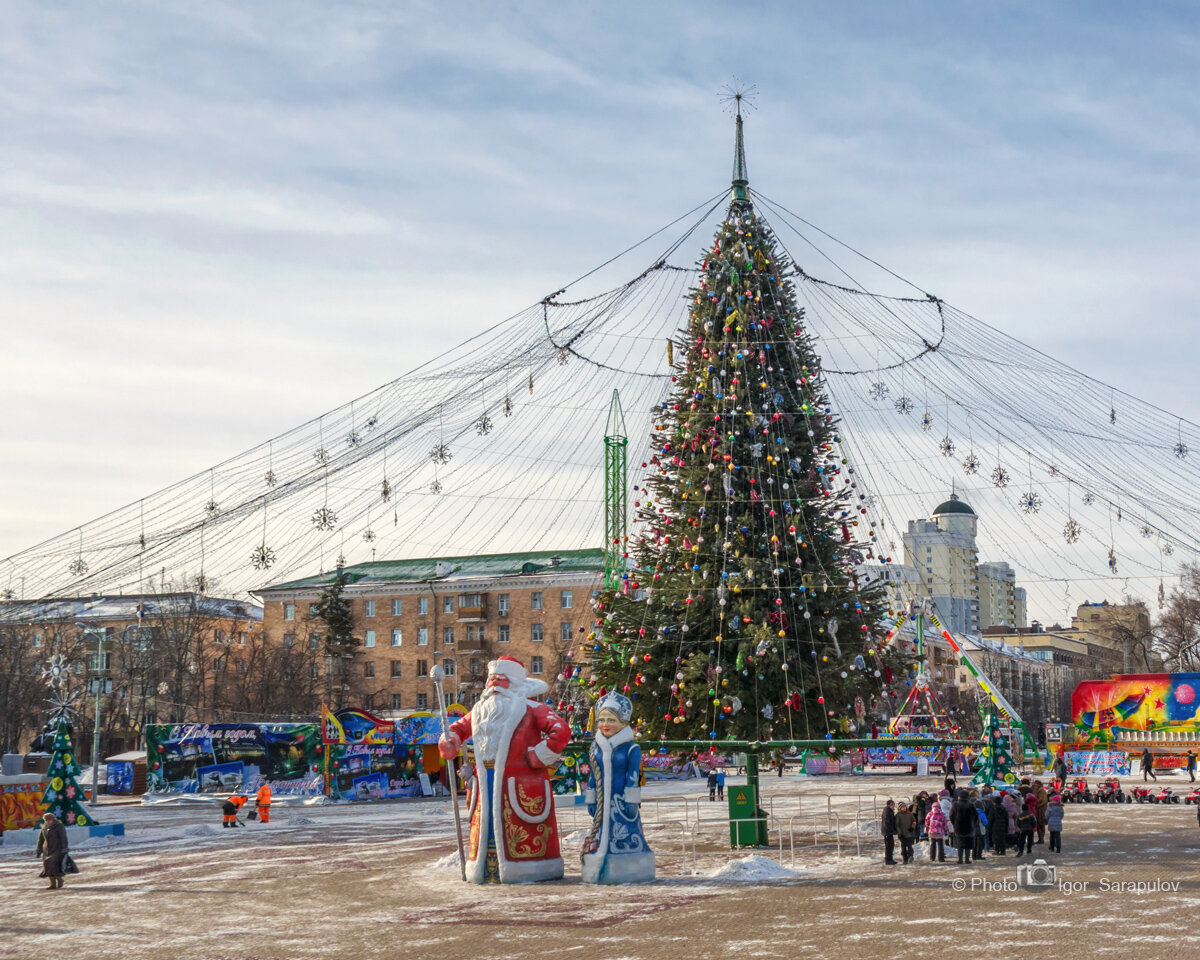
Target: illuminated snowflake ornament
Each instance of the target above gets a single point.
(436, 487)
(78, 567)
(270, 479)
(1072, 531)
(324, 519)
(54, 673)
(483, 426)
(372, 423)
(1146, 531)
(1088, 498)
(1030, 502)
(946, 446)
(971, 464)
(321, 456)
(904, 406)
(368, 535)
(353, 438)
(926, 421)
(200, 583)
(879, 390)
(212, 508)
(385, 491)
(1167, 549)
(441, 454)
(508, 407)
(563, 355)
(1000, 477)
(1180, 450)
(262, 557)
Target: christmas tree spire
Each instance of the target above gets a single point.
(741, 182)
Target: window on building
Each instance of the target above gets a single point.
(241, 638)
(314, 641)
(397, 637)
(564, 631)
(422, 605)
(369, 638)
(447, 698)
(396, 702)
(397, 607)
(535, 633)
(535, 666)
(567, 599)
(422, 668)
(535, 600)
(396, 669)
(472, 601)
(447, 604)
(502, 633)
(470, 634)
(368, 608)
(289, 639)
(448, 635)
(422, 636)
(481, 636)
(422, 701)
(502, 604)
(37, 639)
(448, 667)
(289, 611)
(313, 671)
(369, 668)
(476, 666)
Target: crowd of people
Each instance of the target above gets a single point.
(973, 822)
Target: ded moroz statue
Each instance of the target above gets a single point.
(615, 849)
(513, 836)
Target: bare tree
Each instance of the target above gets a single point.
(26, 648)
(1178, 628)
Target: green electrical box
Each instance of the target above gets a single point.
(747, 822)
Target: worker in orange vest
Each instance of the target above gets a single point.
(263, 803)
(229, 809)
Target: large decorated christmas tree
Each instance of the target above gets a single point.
(62, 795)
(742, 615)
(998, 767)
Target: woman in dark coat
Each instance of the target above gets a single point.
(998, 826)
(51, 846)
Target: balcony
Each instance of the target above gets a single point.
(476, 645)
(472, 609)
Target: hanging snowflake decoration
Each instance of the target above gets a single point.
(1088, 498)
(9, 595)
(483, 426)
(324, 518)
(372, 423)
(1000, 477)
(368, 535)
(441, 454)
(946, 446)
(1112, 560)
(54, 673)
(1030, 502)
(78, 567)
(163, 688)
(200, 583)
(270, 479)
(385, 492)
(62, 702)
(1145, 531)
(1112, 415)
(1180, 450)
(321, 456)
(1072, 531)
(353, 438)
(904, 405)
(1052, 470)
(879, 390)
(926, 421)
(971, 464)
(563, 356)
(212, 508)
(262, 557)
(341, 560)
(436, 487)
(1167, 549)
(508, 407)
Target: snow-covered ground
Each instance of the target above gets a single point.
(381, 881)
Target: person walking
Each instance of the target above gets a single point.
(1026, 823)
(1054, 820)
(52, 847)
(721, 781)
(887, 827)
(1148, 765)
(1060, 768)
(1191, 765)
(963, 818)
(906, 829)
(935, 826)
(997, 825)
(1042, 801)
(262, 803)
(712, 784)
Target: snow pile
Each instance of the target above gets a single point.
(449, 861)
(752, 869)
(575, 836)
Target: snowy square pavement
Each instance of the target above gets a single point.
(381, 881)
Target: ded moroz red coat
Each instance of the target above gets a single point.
(522, 805)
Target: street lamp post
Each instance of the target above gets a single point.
(96, 728)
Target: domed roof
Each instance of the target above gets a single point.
(953, 505)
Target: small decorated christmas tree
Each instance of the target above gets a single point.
(998, 765)
(63, 794)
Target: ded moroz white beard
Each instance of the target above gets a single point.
(493, 720)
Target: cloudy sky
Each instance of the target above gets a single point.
(218, 220)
